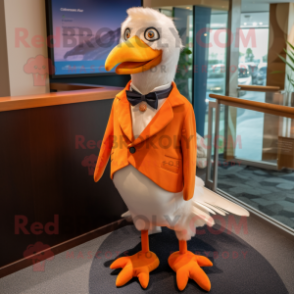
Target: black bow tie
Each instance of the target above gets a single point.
(151, 98)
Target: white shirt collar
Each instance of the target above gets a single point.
(159, 88)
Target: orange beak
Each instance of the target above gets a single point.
(132, 56)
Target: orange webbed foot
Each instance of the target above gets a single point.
(188, 266)
(138, 265)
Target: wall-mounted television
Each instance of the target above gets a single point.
(82, 33)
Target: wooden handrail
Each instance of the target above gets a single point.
(72, 86)
(58, 98)
(259, 88)
(273, 109)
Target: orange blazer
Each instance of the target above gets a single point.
(166, 150)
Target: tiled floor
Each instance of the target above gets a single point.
(271, 192)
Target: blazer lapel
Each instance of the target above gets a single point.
(124, 115)
(164, 115)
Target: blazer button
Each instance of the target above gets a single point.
(132, 150)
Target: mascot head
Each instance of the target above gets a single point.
(149, 49)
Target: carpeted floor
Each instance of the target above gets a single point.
(75, 271)
(271, 192)
(238, 267)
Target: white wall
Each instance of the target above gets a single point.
(29, 15)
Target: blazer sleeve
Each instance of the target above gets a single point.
(189, 153)
(105, 149)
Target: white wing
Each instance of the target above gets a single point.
(215, 203)
(126, 214)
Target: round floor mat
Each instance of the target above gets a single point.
(238, 268)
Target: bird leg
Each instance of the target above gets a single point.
(138, 265)
(188, 265)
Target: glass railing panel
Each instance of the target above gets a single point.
(263, 177)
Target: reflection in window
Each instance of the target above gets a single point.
(183, 19)
(216, 71)
(253, 48)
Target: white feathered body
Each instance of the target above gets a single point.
(152, 207)
(149, 205)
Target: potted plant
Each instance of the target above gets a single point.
(184, 72)
(289, 73)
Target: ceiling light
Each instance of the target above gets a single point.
(254, 24)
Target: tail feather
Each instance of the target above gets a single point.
(201, 206)
(216, 202)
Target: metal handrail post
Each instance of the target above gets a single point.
(216, 139)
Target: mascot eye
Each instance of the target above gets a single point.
(151, 34)
(127, 34)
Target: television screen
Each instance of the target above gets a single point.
(83, 32)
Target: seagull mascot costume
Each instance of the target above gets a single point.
(151, 139)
